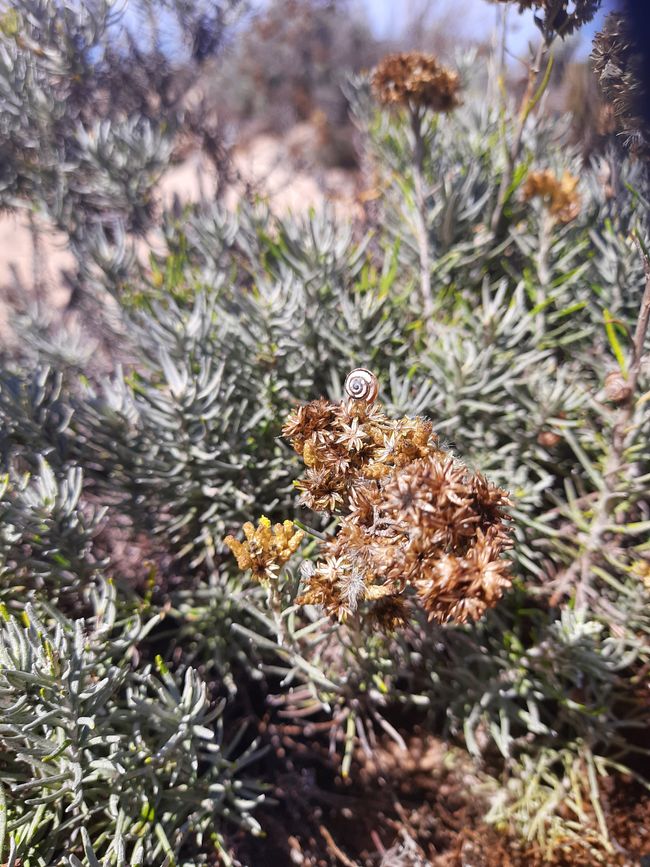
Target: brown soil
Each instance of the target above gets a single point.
(413, 808)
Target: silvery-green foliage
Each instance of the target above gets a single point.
(68, 348)
(89, 103)
(54, 154)
(461, 164)
(35, 416)
(193, 433)
(205, 616)
(188, 440)
(114, 167)
(45, 48)
(616, 264)
(563, 680)
(46, 536)
(96, 746)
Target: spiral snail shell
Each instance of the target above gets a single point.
(361, 384)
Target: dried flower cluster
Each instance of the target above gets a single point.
(416, 524)
(266, 548)
(560, 197)
(618, 66)
(415, 78)
(561, 16)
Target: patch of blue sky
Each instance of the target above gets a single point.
(389, 20)
(472, 19)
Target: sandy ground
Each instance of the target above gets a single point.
(275, 168)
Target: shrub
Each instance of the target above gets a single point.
(499, 287)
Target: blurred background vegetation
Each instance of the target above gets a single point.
(251, 100)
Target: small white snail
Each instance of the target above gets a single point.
(361, 384)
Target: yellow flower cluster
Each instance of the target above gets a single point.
(560, 197)
(642, 570)
(267, 547)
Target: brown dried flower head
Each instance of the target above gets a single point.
(560, 197)
(266, 548)
(344, 443)
(417, 79)
(562, 17)
(416, 527)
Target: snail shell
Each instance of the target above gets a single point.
(361, 384)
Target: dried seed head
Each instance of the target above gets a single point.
(560, 16)
(361, 384)
(415, 78)
(345, 445)
(617, 388)
(619, 68)
(417, 528)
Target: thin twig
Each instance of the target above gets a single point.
(547, 223)
(37, 259)
(503, 39)
(531, 97)
(376, 839)
(334, 849)
(315, 534)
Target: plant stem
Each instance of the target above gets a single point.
(315, 534)
(531, 97)
(545, 237)
(37, 259)
(421, 216)
(274, 601)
